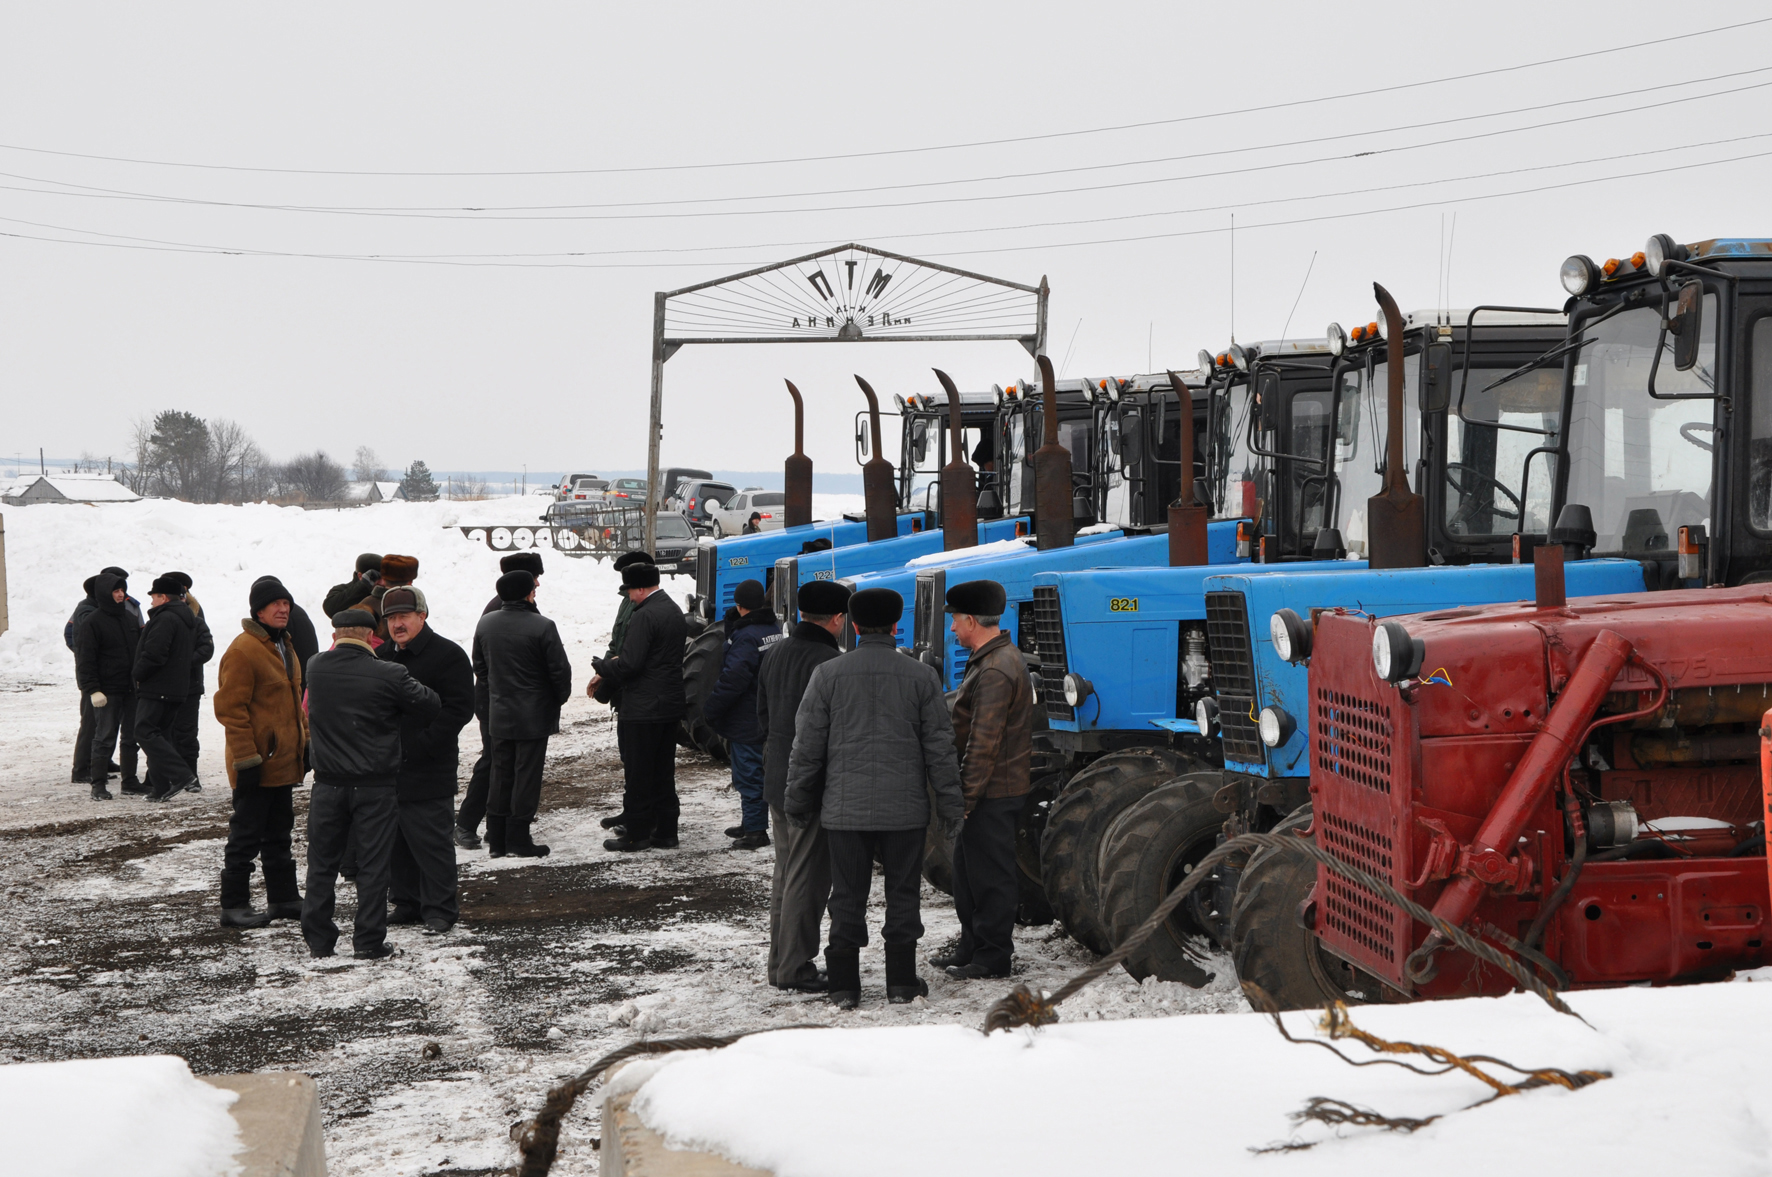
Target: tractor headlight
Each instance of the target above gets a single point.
(1337, 339)
(1276, 726)
(1204, 359)
(1395, 655)
(1076, 689)
(1579, 274)
(1291, 634)
(1659, 251)
(1239, 357)
(1206, 716)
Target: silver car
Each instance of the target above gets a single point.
(730, 517)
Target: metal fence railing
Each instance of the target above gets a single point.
(581, 530)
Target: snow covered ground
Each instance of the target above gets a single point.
(108, 939)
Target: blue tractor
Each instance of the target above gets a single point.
(1136, 667)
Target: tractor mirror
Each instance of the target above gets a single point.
(1686, 324)
(861, 439)
(1436, 389)
(1131, 438)
(920, 439)
(1267, 391)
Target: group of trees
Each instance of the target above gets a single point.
(180, 455)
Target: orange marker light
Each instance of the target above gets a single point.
(1611, 267)
(1636, 260)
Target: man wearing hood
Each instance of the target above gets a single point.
(731, 707)
(82, 774)
(162, 681)
(104, 662)
(362, 583)
(258, 690)
(184, 727)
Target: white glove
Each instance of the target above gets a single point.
(99, 700)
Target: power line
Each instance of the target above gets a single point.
(1050, 135)
(479, 213)
(521, 260)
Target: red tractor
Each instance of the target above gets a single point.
(1578, 784)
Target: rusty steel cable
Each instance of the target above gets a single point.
(1023, 1007)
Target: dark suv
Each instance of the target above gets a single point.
(691, 500)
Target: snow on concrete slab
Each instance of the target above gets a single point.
(146, 1116)
(1691, 1093)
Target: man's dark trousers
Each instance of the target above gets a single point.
(116, 718)
(649, 777)
(516, 778)
(184, 730)
(423, 863)
(83, 741)
(852, 874)
(747, 781)
(986, 886)
(155, 723)
(337, 815)
(473, 802)
(259, 830)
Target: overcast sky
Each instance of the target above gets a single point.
(545, 362)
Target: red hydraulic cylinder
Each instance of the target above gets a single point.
(1542, 764)
(1766, 781)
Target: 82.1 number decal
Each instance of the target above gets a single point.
(1122, 604)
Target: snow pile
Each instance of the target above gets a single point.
(1691, 1093)
(1002, 547)
(147, 1116)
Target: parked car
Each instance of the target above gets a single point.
(627, 488)
(734, 511)
(675, 550)
(691, 500)
(585, 487)
(564, 489)
(671, 478)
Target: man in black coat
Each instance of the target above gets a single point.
(82, 774)
(802, 884)
(184, 723)
(362, 583)
(649, 671)
(731, 707)
(162, 682)
(522, 678)
(104, 668)
(473, 803)
(356, 704)
(423, 867)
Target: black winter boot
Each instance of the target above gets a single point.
(903, 985)
(244, 917)
(282, 896)
(518, 843)
(134, 788)
(843, 967)
(495, 836)
(99, 792)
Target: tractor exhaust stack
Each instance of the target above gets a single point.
(1187, 518)
(1053, 520)
(959, 485)
(1396, 527)
(876, 477)
(797, 470)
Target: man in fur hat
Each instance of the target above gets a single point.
(163, 661)
(649, 671)
(473, 802)
(522, 678)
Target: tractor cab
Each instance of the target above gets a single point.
(1667, 392)
(1276, 400)
(923, 441)
(1138, 447)
(1021, 428)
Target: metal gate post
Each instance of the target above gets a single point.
(655, 426)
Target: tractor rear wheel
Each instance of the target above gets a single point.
(1151, 847)
(1070, 847)
(1270, 947)
(702, 656)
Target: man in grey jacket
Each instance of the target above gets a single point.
(873, 740)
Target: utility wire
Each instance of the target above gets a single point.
(899, 151)
(479, 214)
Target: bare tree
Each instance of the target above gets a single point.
(139, 472)
(228, 446)
(367, 467)
(314, 477)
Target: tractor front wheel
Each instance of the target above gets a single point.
(1271, 948)
(1151, 847)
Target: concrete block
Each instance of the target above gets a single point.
(631, 1149)
(279, 1117)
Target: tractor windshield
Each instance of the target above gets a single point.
(1495, 484)
(1234, 475)
(1641, 465)
(1360, 420)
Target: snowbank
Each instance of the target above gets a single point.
(1001, 547)
(1691, 1093)
(148, 1117)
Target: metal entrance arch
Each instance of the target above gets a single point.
(845, 294)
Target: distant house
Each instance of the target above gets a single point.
(372, 492)
(67, 488)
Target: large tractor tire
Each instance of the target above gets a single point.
(702, 656)
(1070, 847)
(1032, 906)
(1151, 847)
(1268, 945)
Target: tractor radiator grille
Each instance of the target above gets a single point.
(1233, 666)
(1352, 911)
(1049, 639)
(1352, 738)
(705, 557)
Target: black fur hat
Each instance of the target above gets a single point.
(981, 598)
(636, 557)
(514, 586)
(353, 619)
(750, 594)
(639, 575)
(875, 608)
(824, 597)
(529, 562)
